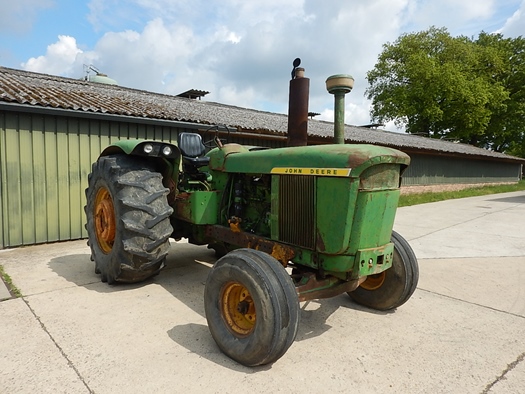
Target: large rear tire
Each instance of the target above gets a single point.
(251, 306)
(393, 287)
(127, 219)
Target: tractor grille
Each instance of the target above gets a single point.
(297, 210)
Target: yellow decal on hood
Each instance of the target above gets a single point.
(343, 172)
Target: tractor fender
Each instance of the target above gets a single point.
(147, 148)
(166, 154)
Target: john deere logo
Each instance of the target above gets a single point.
(342, 172)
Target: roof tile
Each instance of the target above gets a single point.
(43, 90)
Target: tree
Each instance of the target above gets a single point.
(507, 124)
(452, 87)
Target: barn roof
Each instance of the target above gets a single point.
(47, 91)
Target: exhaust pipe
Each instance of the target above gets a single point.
(298, 107)
(339, 85)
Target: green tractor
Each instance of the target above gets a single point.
(289, 224)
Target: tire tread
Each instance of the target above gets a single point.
(143, 225)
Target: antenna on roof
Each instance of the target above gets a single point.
(98, 77)
(88, 68)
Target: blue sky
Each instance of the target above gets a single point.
(239, 50)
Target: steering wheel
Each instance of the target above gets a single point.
(215, 142)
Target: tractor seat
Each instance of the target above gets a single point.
(192, 149)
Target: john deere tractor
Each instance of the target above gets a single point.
(289, 224)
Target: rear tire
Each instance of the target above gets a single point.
(251, 307)
(127, 219)
(393, 287)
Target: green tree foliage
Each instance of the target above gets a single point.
(459, 88)
(507, 125)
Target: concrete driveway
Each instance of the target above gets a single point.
(463, 330)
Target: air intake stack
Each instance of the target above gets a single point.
(339, 85)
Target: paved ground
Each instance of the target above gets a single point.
(463, 331)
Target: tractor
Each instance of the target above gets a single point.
(288, 224)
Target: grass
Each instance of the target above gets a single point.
(422, 198)
(8, 281)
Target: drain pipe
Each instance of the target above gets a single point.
(298, 107)
(339, 85)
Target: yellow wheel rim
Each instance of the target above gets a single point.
(374, 282)
(105, 226)
(238, 309)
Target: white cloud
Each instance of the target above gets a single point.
(466, 17)
(155, 59)
(356, 112)
(233, 96)
(58, 59)
(515, 25)
(253, 12)
(242, 51)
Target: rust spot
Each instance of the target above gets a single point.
(183, 196)
(357, 158)
(282, 254)
(182, 209)
(235, 224)
(172, 186)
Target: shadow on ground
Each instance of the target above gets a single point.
(184, 276)
(513, 200)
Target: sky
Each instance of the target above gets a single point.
(241, 51)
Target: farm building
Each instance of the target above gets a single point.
(53, 128)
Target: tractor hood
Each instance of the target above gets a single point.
(351, 159)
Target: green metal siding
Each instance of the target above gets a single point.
(434, 170)
(45, 161)
(268, 143)
(44, 165)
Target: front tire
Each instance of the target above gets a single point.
(393, 287)
(127, 219)
(251, 307)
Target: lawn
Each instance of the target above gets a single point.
(422, 198)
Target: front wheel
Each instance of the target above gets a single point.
(393, 287)
(251, 307)
(127, 219)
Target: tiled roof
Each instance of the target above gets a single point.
(43, 90)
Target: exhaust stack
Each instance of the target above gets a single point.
(339, 85)
(298, 107)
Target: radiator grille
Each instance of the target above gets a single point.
(297, 210)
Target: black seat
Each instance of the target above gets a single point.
(192, 149)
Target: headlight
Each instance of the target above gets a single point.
(148, 148)
(166, 151)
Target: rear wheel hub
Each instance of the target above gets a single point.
(105, 224)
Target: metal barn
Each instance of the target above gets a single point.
(53, 128)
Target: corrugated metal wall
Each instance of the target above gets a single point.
(45, 161)
(44, 164)
(433, 170)
(270, 143)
